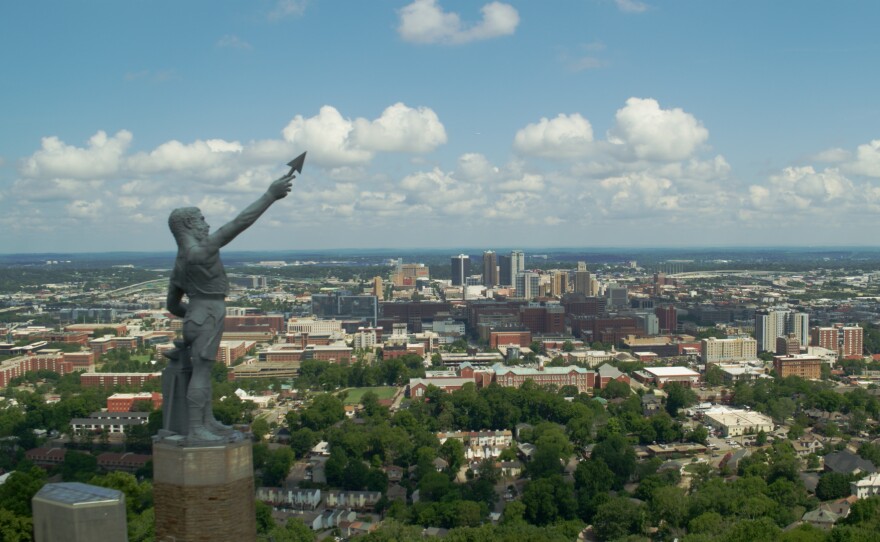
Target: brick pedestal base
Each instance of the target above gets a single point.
(204, 493)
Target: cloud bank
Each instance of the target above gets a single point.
(652, 170)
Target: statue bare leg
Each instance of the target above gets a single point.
(201, 339)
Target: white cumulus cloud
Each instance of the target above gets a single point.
(401, 129)
(333, 140)
(565, 136)
(205, 159)
(867, 160)
(424, 21)
(101, 157)
(659, 134)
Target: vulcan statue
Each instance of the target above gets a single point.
(199, 275)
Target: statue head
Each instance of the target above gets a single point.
(189, 220)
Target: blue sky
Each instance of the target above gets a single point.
(440, 123)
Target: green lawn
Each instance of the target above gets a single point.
(355, 394)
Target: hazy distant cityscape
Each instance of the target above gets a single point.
(562, 394)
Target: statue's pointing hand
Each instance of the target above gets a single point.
(281, 187)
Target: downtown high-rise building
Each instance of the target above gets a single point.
(775, 322)
(851, 341)
(528, 285)
(846, 340)
(490, 269)
(582, 280)
(558, 283)
(461, 267)
(517, 264)
(505, 277)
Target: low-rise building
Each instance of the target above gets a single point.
(866, 487)
(107, 380)
(802, 365)
(662, 376)
(358, 500)
(108, 422)
(583, 379)
(123, 402)
(480, 445)
(733, 422)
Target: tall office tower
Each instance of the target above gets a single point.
(461, 266)
(852, 341)
(774, 322)
(378, 288)
(582, 280)
(769, 324)
(617, 297)
(668, 318)
(528, 285)
(659, 282)
(490, 269)
(505, 277)
(517, 264)
(799, 324)
(558, 283)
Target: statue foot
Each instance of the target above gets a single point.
(212, 424)
(201, 433)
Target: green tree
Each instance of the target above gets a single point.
(303, 440)
(265, 523)
(548, 500)
(293, 531)
(19, 489)
(833, 485)
(324, 411)
(78, 466)
(259, 428)
(619, 517)
(452, 451)
(669, 504)
(678, 396)
(15, 528)
(618, 454)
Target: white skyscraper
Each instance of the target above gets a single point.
(517, 264)
(528, 285)
(776, 322)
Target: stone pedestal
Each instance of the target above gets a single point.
(75, 512)
(203, 493)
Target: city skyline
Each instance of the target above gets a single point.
(432, 123)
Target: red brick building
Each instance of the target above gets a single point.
(46, 361)
(804, 366)
(251, 324)
(120, 329)
(544, 319)
(503, 337)
(392, 352)
(46, 457)
(80, 360)
(126, 462)
(123, 402)
(667, 318)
